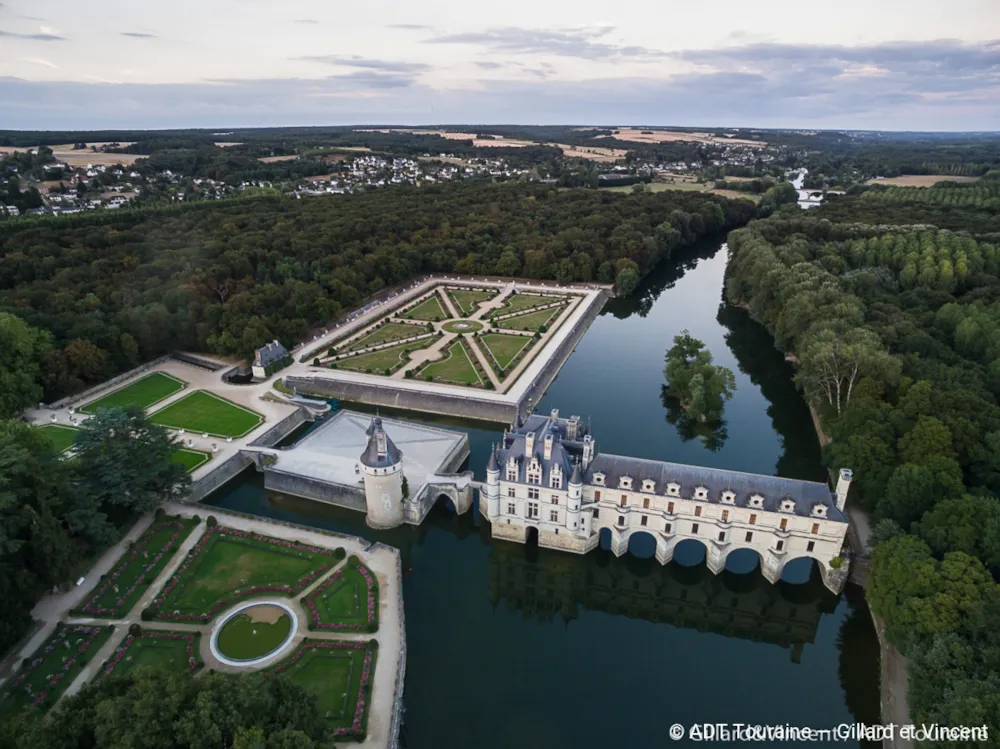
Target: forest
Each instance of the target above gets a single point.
(111, 290)
(896, 333)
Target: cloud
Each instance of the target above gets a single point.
(409, 26)
(138, 35)
(486, 65)
(308, 21)
(44, 35)
(581, 43)
(40, 61)
(355, 61)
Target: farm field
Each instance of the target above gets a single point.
(467, 301)
(430, 310)
(650, 135)
(227, 566)
(202, 411)
(61, 437)
(144, 393)
(531, 320)
(504, 347)
(456, 367)
(391, 331)
(383, 359)
(155, 648)
(919, 180)
(276, 159)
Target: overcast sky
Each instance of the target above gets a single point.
(886, 64)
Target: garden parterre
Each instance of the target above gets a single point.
(346, 601)
(155, 648)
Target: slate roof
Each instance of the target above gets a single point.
(269, 354)
(774, 489)
(370, 457)
(565, 452)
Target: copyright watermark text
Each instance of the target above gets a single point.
(776, 733)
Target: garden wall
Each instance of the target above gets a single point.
(228, 469)
(350, 497)
(69, 400)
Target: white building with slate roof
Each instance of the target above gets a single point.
(547, 480)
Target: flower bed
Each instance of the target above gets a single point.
(353, 724)
(338, 585)
(128, 653)
(51, 669)
(193, 569)
(123, 586)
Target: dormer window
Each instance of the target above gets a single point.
(787, 505)
(728, 498)
(819, 511)
(700, 492)
(649, 486)
(625, 482)
(673, 489)
(599, 479)
(512, 470)
(756, 500)
(555, 480)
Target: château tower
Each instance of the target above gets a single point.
(383, 471)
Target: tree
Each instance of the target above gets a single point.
(702, 388)
(22, 349)
(913, 489)
(124, 462)
(970, 524)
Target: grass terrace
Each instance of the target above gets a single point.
(456, 367)
(518, 302)
(202, 411)
(504, 347)
(389, 332)
(339, 674)
(346, 601)
(120, 590)
(531, 321)
(430, 309)
(383, 360)
(52, 668)
(229, 565)
(190, 459)
(254, 633)
(61, 437)
(144, 392)
(156, 648)
(467, 300)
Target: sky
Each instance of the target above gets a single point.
(851, 64)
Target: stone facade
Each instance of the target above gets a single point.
(547, 480)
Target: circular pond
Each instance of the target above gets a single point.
(462, 326)
(254, 632)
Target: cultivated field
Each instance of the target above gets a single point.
(650, 135)
(919, 180)
(594, 153)
(227, 144)
(67, 155)
(275, 159)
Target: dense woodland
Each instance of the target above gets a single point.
(896, 330)
(112, 290)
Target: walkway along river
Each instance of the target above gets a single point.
(511, 646)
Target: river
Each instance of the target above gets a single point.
(510, 646)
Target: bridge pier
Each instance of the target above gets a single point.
(665, 549)
(715, 556)
(619, 541)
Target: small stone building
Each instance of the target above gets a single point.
(265, 356)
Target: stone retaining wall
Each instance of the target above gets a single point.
(397, 704)
(439, 403)
(283, 428)
(352, 498)
(106, 385)
(229, 469)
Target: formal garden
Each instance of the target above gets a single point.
(340, 675)
(190, 459)
(155, 648)
(46, 674)
(383, 361)
(467, 301)
(254, 632)
(524, 302)
(533, 321)
(386, 332)
(205, 412)
(61, 437)
(229, 565)
(120, 590)
(144, 392)
(503, 348)
(456, 367)
(430, 309)
(346, 601)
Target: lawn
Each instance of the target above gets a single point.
(229, 565)
(504, 347)
(530, 321)
(467, 301)
(120, 590)
(339, 674)
(429, 309)
(190, 459)
(61, 437)
(347, 600)
(52, 668)
(156, 648)
(519, 302)
(202, 411)
(389, 332)
(144, 392)
(384, 359)
(243, 638)
(455, 367)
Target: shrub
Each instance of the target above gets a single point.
(316, 362)
(196, 518)
(339, 554)
(147, 614)
(333, 366)
(160, 512)
(429, 378)
(135, 630)
(373, 643)
(837, 562)
(212, 521)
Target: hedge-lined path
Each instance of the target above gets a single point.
(449, 306)
(382, 561)
(487, 365)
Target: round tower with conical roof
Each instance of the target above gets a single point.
(493, 486)
(382, 463)
(574, 499)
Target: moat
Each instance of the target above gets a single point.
(516, 646)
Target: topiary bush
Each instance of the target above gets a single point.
(212, 521)
(147, 614)
(836, 563)
(135, 630)
(316, 362)
(160, 512)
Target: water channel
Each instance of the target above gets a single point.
(517, 647)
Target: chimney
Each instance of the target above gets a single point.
(588, 450)
(843, 486)
(529, 444)
(555, 414)
(548, 447)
